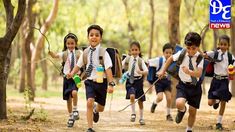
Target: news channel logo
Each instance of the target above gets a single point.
(220, 14)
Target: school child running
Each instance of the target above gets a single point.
(96, 90)
(136, 68)
(188, 88)
(219, 88)
(69, 56)
(163, 85)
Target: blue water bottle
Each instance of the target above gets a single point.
(125, 76)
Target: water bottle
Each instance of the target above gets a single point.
(100, 74)
(77, 80)
(124, 77)
(231, 71)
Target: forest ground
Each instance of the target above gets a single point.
(51, 114)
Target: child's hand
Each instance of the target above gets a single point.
(110, 89)
(139, 72)
(69, 75)
(161, 74)
(185, 70)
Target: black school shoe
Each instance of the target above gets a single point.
(153, 107)
(180, 116)
(95, 115)
(70, 122)
(216, 105)
(76, 115)
(90, 130)
(219, 126)
(169, 117)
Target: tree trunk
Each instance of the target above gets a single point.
(151, 3)
(40, 42)
(45, 73)
(12, 27)
(23, 61)
(174, 35)
(215, 35)
(233, 44)
(173, 21)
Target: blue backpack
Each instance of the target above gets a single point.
(151, 77)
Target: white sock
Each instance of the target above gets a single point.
(141, 114)
(189, 128)
(217, 101)
(168, 111)
(220, 119)
(74, 108)
(183, 110)
(133, 108)
(155, 102)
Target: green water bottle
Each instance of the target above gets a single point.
(77, 80)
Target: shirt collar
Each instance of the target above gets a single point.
(195, 55)
(70, 51)
(97, 46)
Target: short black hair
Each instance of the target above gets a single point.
(192, 38)
(225, 37)
(167, 46)
(94, 26)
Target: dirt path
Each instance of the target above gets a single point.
(114, 121)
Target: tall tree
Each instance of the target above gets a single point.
(174, 33)
(233, 41)
(12, 26)
(40, 41)
(151, 3)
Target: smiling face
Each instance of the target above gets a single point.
(94, 37)
(134, 50)
(192, 50)
(167, 53)
(70, 44)
(223, 45)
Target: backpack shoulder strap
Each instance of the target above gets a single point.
(216, 53)
(230, 58)
(65, 55)
(160, 63)
(199, 59)
(78, 54)
(127, 59)
(181, 57)
(102, 55)
(85, 55)
(140, 63)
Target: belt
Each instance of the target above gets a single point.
(218, 77)
(188, 83)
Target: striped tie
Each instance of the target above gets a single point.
(194, 79)
(90, 67)
(132, 78)
(72, 61)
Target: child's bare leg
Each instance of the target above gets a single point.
(90, 103)
(180, 104)
(69, 105)
(141, 108)
(211, 102)
(75, 99)
(132, 100)
(168, 101)
(99, 108)
(159, 97)
(221, 111)
(191, 117)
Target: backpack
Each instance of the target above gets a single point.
(173, 69)
(151, 77)
(126, 64)
(115, 58)
(209, 72)
(65, 56)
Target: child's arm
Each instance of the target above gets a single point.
(165, 66)
(53, 55)
(110, 79)
(75, 70)
(193, 73)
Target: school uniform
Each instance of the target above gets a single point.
(68, 84)
(135, 87)
(95, 90)
(163, 84)
(185, 88)
(219, 88)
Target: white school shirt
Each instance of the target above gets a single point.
(221, 68)
(155, 62)
(67, 68)
(95, 61)
(183, 76)
(131, 61)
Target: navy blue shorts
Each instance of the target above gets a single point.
(135, 88)
(68, 86)
(98, 91)
(219, 89)
(190, 92)
(163, 85)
